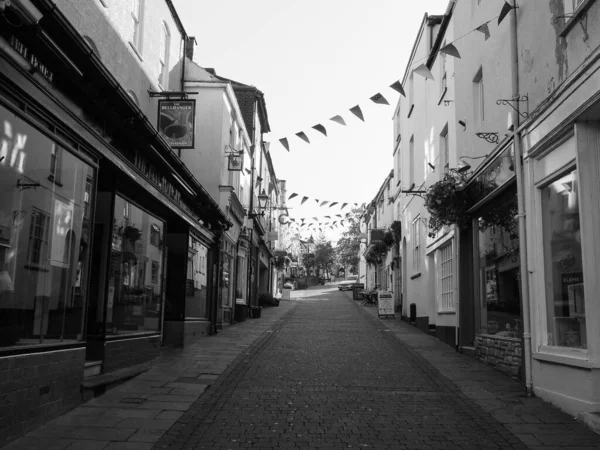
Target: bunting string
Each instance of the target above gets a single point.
(422, 70)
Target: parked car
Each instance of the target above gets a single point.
(348, 283)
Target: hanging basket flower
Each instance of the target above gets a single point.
(447, 204)
(388, 239)
(397, 230)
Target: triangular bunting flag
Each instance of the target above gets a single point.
(485, 30)
(324, 202)
(397, 86)
(357, 112)
(315, 218)
(271, 187)
(328, 217)
(334, 203)
(338, 215)
(338, 119)
(284, 142)
(267, 145)
(292, 196)
(505, 10)
(320, 128)
(317, 200)
(451, 50)
(343, 206)
(303, 136)
(248, 171)
(303, 200)
(303, 219)
(379, 99)
(424, 71)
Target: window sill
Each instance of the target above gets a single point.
(22, 349)
(577, 16)
(136, 51)
(134, 335)
(56, 182)
(410, 110)
(416, 275)
(564, 356)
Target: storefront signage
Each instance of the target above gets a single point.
(236, 162)
(176, 121)
(31, 58)
(385, 304)
(157, 178)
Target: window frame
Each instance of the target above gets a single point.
(416, 235)
(479, 97)
(163, 57)
(138, 27)
(445, 271)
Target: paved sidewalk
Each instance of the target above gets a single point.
(536, 423)
(135, 414)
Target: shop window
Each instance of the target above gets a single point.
(135, 278)
(499, 269)
(55, 164)
(227, 267)
(196, 305)
(43, 237)
(565, 305)
(242, 280)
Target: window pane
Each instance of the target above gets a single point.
(135, 278)
(44, 237)
(564, 267)
(499, 270)
(196, 283)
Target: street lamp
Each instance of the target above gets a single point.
(262, 204)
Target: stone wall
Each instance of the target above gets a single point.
(504, 353)
(37, 387)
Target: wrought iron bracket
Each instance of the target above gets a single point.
(509, 102)
(23, 186)
(168, 94)
(447, 102)
(582, 19)
(491, 137)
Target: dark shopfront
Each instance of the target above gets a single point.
(91, 237)
(491, 305)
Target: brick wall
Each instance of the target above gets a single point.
(501, 352)
(36, 388)
(130, 352)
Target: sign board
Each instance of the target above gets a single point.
(176, 122)
(385, 303)
(235, 162)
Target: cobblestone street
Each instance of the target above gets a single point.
(330, 375)
(320, 371)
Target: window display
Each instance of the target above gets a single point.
(499, 269)
(135, 279)
(196, 306)
(564, 266)
(227, 270)
(44, 236)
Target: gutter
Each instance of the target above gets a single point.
(166, 152)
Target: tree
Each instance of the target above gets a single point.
(324, 255)
(349, 244)
(308, 261)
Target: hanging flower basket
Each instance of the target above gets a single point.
(397, 230)
(388, 239)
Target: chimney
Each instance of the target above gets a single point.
(210, 70)
(189, 47)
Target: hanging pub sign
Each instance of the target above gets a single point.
(176, 120)
(236, 162)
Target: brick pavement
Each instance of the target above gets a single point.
(135, 414)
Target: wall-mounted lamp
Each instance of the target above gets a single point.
(463, 166)
(463, 123)
(262, 204)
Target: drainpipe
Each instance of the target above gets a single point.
(521, 204)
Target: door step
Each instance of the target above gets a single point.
(98, 384)
(92, 368)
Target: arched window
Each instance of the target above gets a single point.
(163, 66)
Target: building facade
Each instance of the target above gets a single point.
(97, 215)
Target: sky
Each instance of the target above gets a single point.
(314, 59)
